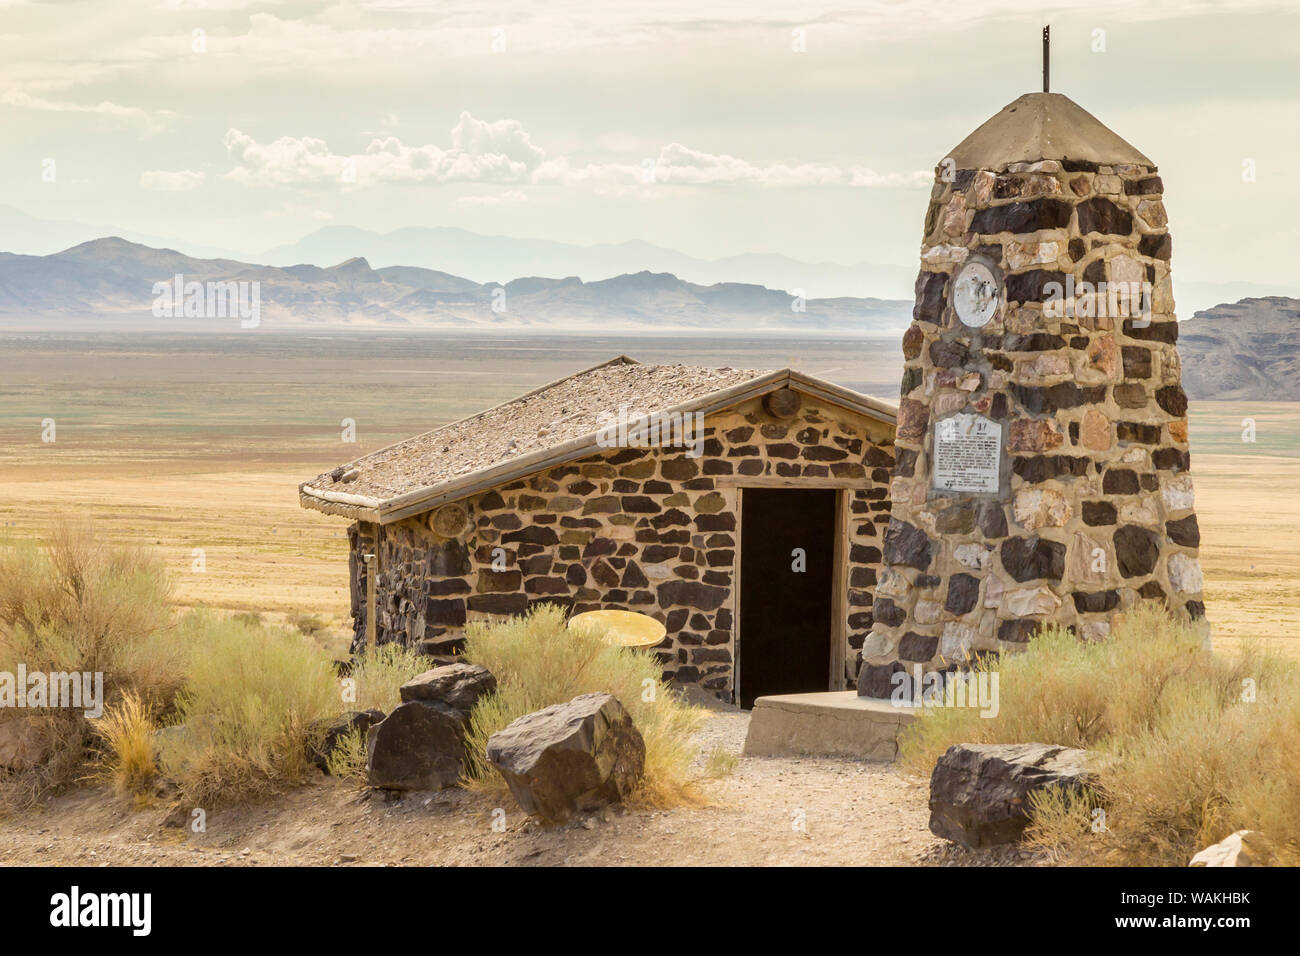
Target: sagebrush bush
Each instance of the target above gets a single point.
(254, 697)
(538, 661)
(1185, 757)
(380, 672)
(76, 603)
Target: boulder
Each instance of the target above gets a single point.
(979, 793)
(458, 686)
(570, 757)
(419, 746)
(1243, 848)
(327, 734)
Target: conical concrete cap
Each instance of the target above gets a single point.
(1043, 126)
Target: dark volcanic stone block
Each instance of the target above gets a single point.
(1099, 513)
(1136, 550)
(1095, 601)
(1173, 400)
(1029, 559)
(963, 592)
(907, 545)
(1101, 215)
(1184, 531)
(918, 647)
(1022, 217)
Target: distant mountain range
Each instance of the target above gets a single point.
(488, 259)
(492, 258)
(1247, 350)
(111, 282)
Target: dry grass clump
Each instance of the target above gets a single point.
(1194, 745)
(128, 731)
(250, 704)
(377, 676)
(538, 661)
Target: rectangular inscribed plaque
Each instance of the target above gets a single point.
(966, 452)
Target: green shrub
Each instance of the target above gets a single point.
(1185, 759)
(538, 661)
(252, 701)
(380, 673)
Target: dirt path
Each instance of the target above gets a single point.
(771, 812)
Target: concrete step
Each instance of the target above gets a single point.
(826, 724)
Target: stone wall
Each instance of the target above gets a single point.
(1098, 513)
(649, 530)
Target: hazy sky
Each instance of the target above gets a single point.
(805, 128)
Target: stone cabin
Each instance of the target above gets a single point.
(744, 509)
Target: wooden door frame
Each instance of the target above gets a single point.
(835, 679)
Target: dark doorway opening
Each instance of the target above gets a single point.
(786, 613)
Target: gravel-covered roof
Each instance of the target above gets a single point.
(524, 430)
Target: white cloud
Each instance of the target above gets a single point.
(502, 153)
(154, 121)
(168, 181)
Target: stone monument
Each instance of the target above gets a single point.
(1042, 455)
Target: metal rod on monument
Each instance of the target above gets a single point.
(1047, 56)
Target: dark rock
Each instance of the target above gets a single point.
(1022, 217)
(1184, 531)
(691, 594)
(979, 793)
(498, 603)
(1032, 287)
(918, 647)
(1136, 550)
(1102, 215)
(1018, 631)
(1099, 513)
(448, 558)
(328, 734)
(1095, 601)
(1138, 432)
(1157, 246)
(930, 297)
(1119, 481)
(1173, 400)
(1029, 559)
(449, 612)
(1171, 459)
(458, 686)
(419, 746)
(963, 592)
(876, 679)
(1137, 361)
(570, 757)
(948, 354)
(907, 545)
(889, 613)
